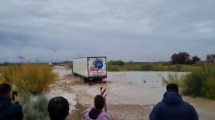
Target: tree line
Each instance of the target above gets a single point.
(185, 58)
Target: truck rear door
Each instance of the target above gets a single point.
(97, 67)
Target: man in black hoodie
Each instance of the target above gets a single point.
(58, 108)
(9, 110)
(172, 107)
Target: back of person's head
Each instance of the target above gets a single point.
(5, 89)
(99, 102)
(58, 108)
(172, 87)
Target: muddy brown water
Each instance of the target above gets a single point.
(147, 79)
(143, 88)
(150, 85)
(131, 95)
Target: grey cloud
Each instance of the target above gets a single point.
(140, 30)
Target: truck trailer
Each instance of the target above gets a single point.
(90, 68)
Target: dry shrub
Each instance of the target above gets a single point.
(33, 78)
(34, 110)
(76, 114)
(1, 71)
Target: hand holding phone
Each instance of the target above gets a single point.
(14, 96)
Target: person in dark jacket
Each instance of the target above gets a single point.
(58, 108)
(9, 110)
(172, 107)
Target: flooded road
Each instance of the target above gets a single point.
(131, 95)
(147, 79)
(146, 88)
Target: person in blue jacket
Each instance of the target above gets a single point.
(172, 107)
(9, 110)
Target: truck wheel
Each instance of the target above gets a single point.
(86, 80)
(75, 75)
(99, 80)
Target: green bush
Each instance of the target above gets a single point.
(193, 83)
(210, 88)
(33, 78)
(34, 110)
(147, 67)
(200, 83)
(160, 67)
(190, 68)
(114, 68)
(117, 62)
(176, 68)
(129, 67)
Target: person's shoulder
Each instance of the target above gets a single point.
(16, 105)
(104, 116)
(15, 111)
(86, 112)
(16, 108)
(188, 105)
(159, 105)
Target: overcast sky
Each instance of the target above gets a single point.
(138, 30)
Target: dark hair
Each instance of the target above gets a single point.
(172, 87)
(99, 102)
(5, 88)
(58, 108)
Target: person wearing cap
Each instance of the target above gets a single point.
(97, 112)
(58, 108)
(173, 107)
(9, 110)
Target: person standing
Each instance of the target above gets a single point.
(97, 112)
(173, 107)
(9, 110)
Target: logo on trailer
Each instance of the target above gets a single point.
(98, 63)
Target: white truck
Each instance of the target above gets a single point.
(90, 68)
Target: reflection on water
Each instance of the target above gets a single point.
(148, 79)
